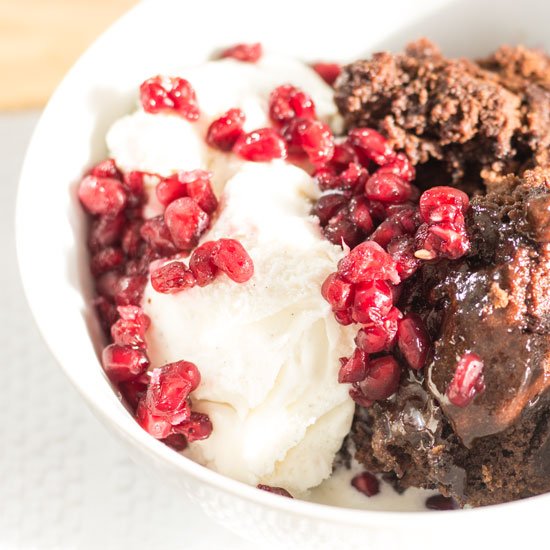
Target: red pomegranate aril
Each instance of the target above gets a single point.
(106, 311)
(134, 390)
(341, 229)
(439, 502)
(379, 335)
(344, 155)
(169, 189)
(366, 483)
(402, 251)
(104, 196)
(343, 317)
(106, 259)
(175, 441)
(131, 238)
(156, 426)
(106, 231)
(352, 177)
(197, 428)
(130, 329)
(442, 204)
(287, 102)
(171, 278)
(199, 187)
(129, 290)
(201, 264)
(169, 94)
(248, 53)
(275, 490)
(372, 145)
(261, 145)
(407, 215)
(329, 72)
(386, 232)
(359, 214)
(135, 185)
(453, 241)
(382, 378)
(372, 301)
(106, 169)
(400, 166)
(368, 261)
(230, 257)
(326, 178)
(226, 130)
(387, 188)
(357, 396)
(328, 206)
(186, 221)
(353, 369)
(467, 381)
(123, 363)
(156, 234)
(413, 340)
(313, 137)
(337, 292)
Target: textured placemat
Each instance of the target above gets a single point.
(64, 481)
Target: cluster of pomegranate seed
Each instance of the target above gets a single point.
(171, 95)
(366, 483)
(206, 263)
(370, 205)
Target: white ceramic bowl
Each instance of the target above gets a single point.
(152, 38)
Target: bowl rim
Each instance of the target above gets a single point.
(145, 443)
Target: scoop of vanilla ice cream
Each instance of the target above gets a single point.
(166, 143)
(267, 349)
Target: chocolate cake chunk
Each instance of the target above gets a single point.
(459, 120)
(493, 302)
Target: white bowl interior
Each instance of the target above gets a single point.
(162, 36)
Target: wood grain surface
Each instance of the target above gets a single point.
(41, 39)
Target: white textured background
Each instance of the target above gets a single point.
(64, 481)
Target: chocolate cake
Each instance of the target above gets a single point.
(483, 127)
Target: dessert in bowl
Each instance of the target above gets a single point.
(222, 228)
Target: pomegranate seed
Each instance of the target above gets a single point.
(134, 390)
(129, 290)
(325, 177)
(441, 240)
(106, 169)
(106, 311)
(131, 238)
(169, 94)
(175, 441)
(171, 278)
(372, 145)
(379, 335)
(353, 369)
(197, 428)
(368, 261)
(186, 221)
(413, 340)
(168, 391)
(135, 185)
(357, 395)
(105, 231)
(372, 301)
(130, 329)
(156, 234)
(337, 292)
(230, 257)
(386, 187)
(199, 188)
(343, 317)
(106, 259)
(248, 53)
(359, 214)
(103, 196)
(328, 206)
(344, 155)
(352, 177)
(287, 102)
(406, 215)
(341, 229)
(382, 379)
(386, 232)
(123, 363)
(467, 381)
(402, 251)
(442, 204)
(329, 72)
(275, 490)
(156, 426)
(169, 189)
(260, 145)
(313, 137)
(201, 263)
(400, 166)
(439, 502)
(366, 483)
(226, 130)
